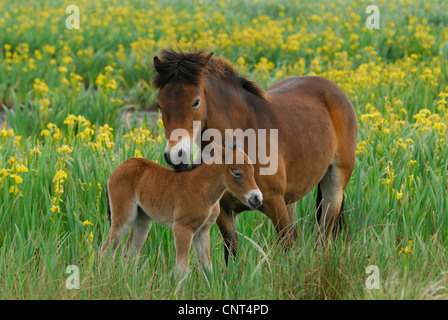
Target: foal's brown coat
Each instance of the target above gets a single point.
(141, 191)
(317, 132)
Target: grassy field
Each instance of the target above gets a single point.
(63, 92)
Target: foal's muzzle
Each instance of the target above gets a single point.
(254, 199)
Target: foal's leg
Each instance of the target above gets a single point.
(201, 245)
(182, 239)
(227, 227)
(201, 240)
(139, 232)
(122, 218)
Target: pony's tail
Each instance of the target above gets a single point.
(108, 205)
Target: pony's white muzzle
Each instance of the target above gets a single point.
(178, 156)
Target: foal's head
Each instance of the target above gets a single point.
(239, 178)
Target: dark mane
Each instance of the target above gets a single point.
(189, 67)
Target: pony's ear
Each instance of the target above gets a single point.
(208, 57)
(232, 144)
(157, 63)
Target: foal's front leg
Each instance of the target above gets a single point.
(201, 240)
(201, 245)
(182, 239)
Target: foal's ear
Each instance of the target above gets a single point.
(157, 63)
(212, 152)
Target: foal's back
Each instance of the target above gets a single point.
(140, 182)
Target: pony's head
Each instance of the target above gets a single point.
(181, 101)
(184, 78)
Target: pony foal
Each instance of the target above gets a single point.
(140, 191)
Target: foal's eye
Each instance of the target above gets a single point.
(236, 173)
(196, 103)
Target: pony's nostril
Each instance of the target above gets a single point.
(166, 155)
(258, 201)
(180, 153)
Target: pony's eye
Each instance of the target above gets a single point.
(236, 173)
(196, 103)
(158, 106)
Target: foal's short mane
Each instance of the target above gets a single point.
(188, 67)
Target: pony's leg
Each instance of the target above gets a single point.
(227, 227)
(182, 240)
(330, 196)
(275, 208)
(291, 207)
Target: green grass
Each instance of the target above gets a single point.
(37, 245)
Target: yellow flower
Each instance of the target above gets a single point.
(3, 172)
(90, 238)
(55, 209)
(14, 190)
(112, 84)
(60, 174)
(40, 86)
(17, 179)
(241, 61)
(137, 153)
(67, 60)
(65, 149)
(100, 79)
(49, 49)
(86, 223)
(398, 103)
(70, 120)
(44, 102)
(407, 249)
(6, 132)
(45, 133)
(21, 168)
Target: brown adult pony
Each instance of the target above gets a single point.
(317, 132)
